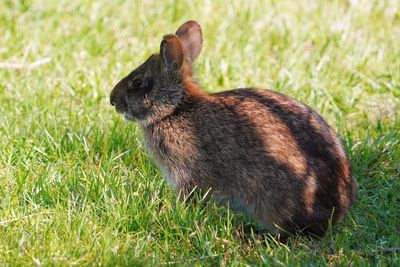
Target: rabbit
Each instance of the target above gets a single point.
(260, 152)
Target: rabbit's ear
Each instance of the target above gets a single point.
(191, 39)
(171, 53)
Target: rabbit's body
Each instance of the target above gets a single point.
(258, 151)
(265, 154)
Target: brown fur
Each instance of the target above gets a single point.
(258, 151)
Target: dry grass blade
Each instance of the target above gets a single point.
(10, 65)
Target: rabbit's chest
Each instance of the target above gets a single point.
(172, 141)
(173, 151)
(169, 148)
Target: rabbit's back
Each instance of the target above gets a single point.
(264, 153)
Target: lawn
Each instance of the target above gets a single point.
(77, 188)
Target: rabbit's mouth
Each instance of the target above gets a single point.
(127, 116)
(121, 109)
(124, 112)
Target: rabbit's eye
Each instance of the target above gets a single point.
(137, 82)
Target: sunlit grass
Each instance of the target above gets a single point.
(76, 186)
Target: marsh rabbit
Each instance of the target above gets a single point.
(258, 151)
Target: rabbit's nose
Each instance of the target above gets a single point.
(111, 102)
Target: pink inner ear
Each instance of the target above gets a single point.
(172, 52)
(191, 39)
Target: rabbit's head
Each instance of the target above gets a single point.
(156, 87)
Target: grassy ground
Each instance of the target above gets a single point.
(76, 187)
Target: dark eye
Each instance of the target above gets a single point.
(137, 82)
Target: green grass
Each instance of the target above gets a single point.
(76, 187)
